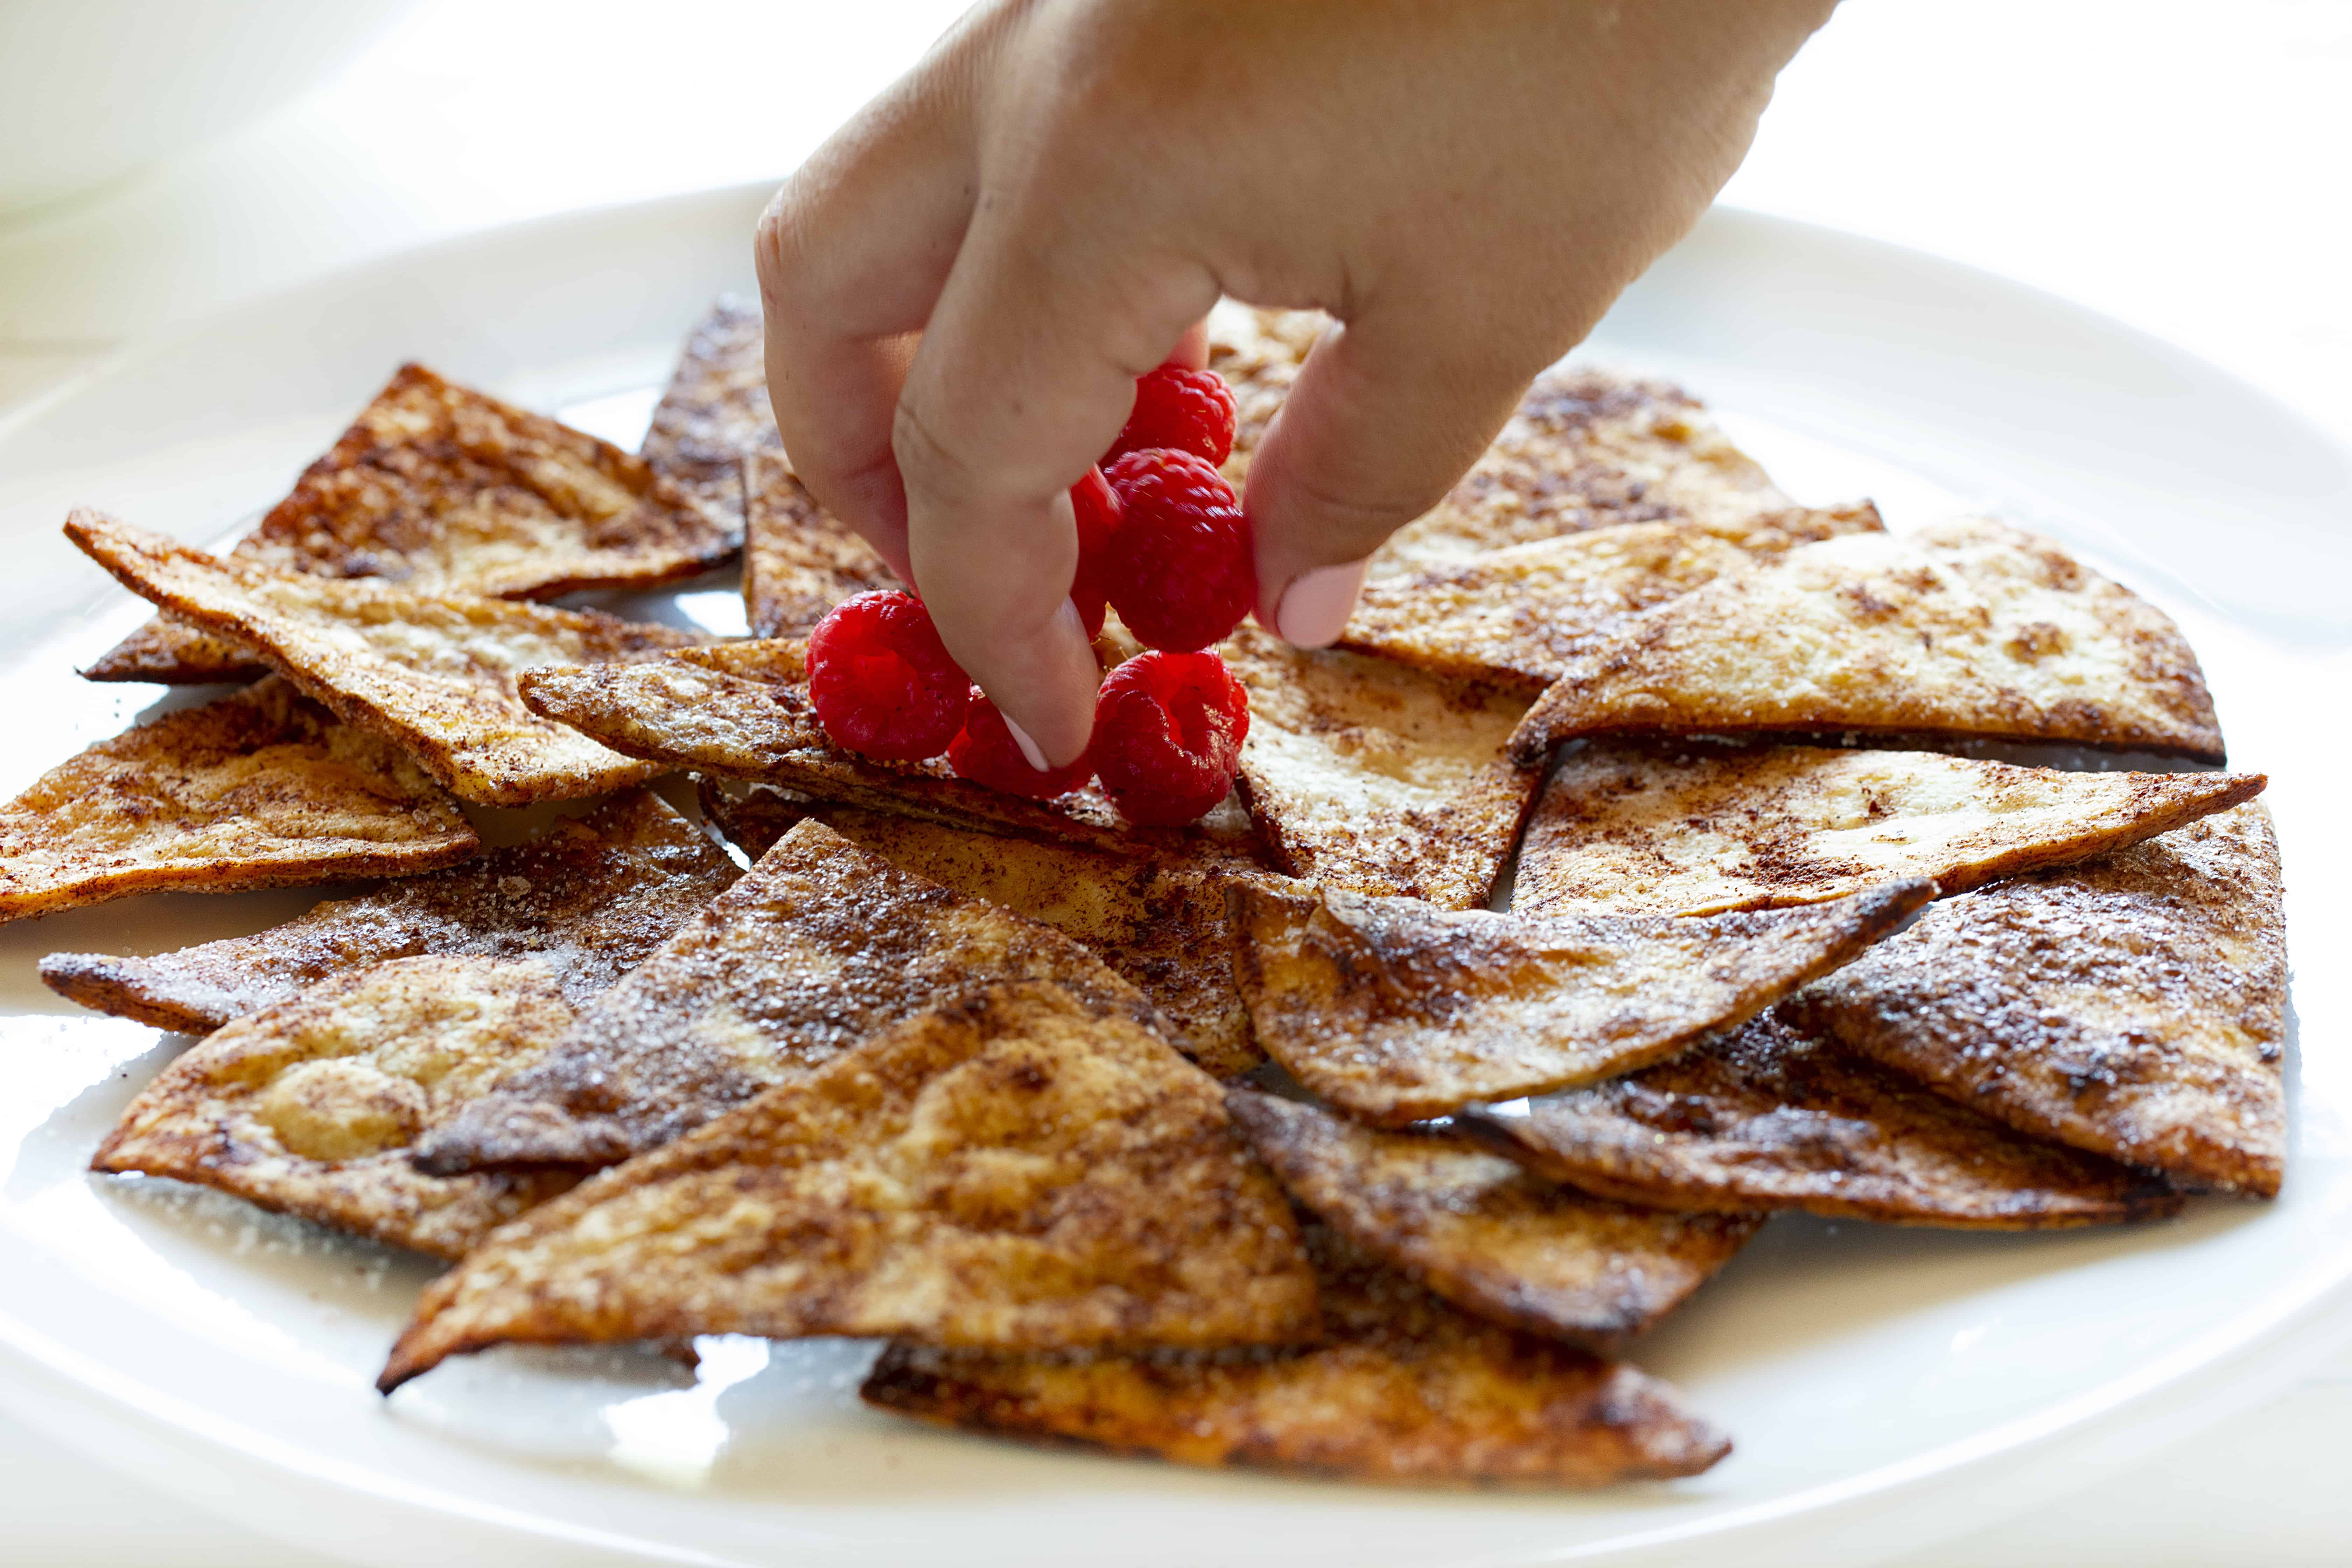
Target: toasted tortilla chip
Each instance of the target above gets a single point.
(1366, 774)
(310, 1106)
(2133, 1006)
(1969, 627)
(1771, 1116)
(715, 412)
(260, 789)
(799, 560)
(741, 711)
(434, 671)
(438, 488)
(1012, 1170)
(590, 899)
(1395, 1011)
(1489, 1235)
(1694, 830)
(818, 946)
(1161, 923)
(1403, 1388)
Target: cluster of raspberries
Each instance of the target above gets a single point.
(1162, 541)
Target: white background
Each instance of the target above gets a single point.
(2181, 166)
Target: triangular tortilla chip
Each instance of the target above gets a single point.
(2135, 1005)
(1160, 922)
(591, 899)
(1395, 1011)
(799, 560)
(1403, 1388)
(260, 789)
(435, 671)
(1692, 829)
(1521, 615)
(309, 1107)
(741, 711)
(1366, 774)
(1969, 627)
(715, 411)
(1489, 1235)
(818, 946)
(1771, 1116)
(439, 488)
(1013, 1170)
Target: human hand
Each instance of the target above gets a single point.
(962, 285)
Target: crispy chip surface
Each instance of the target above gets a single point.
(1970, 628)
(590, 899)
(715, 412)
(799, 560)
(741, 711)
(1684, 828)
(439, 488)
(2133, 1006)
(1772, 1116)
(1367, 774)
(310, 1106)
(434, 671)
(1160, 922)
(260, 789)
(1013, 1170)
(818, 946)
(1395, 1011)
(1486, 1232)
(1403, 1388)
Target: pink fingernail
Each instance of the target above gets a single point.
(1029, 750)
(1315, 606)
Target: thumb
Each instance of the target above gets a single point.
(1387, 412)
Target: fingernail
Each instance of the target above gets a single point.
(1029, 752)
(1315, 606)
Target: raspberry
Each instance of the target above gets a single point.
(1168, 728)
(1096, 506)
(985, 752)
(881, 681)
(1185, 410)
(1179, 569)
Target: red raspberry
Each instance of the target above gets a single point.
(1168, 728)
(881, 681)
(1096, 506)
(1179, 571)
(985, 752)
(1185, 410)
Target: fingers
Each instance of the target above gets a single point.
(1025, 375)
(1386, 414)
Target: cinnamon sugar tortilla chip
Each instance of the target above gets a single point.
(439, 488)
(1366, 774)
(818, 946)
(715, 412)
(1160, 922)
(1496, 1240)
(1012, 1170)
(2133, 1006)
(259, 789)
(1403, 1388)
(799, 560)
(1970, 628)
(1772, 1116)
(1395, 1011)
(434, 671)
(1690, 829)
(741, 711)
(591, 899)
(308, 1107)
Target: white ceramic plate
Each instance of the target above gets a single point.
(1885, 1386)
